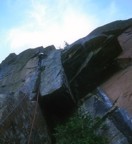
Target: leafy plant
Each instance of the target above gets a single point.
(78, 130)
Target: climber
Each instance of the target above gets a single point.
(40, 56)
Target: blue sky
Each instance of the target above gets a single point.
(30, 23)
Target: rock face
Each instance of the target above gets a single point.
(56, 97)
(92, 61)
(41, 87)
(119, 86)
(19, 76)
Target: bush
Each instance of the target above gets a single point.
(78, 130)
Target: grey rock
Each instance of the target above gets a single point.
(56, 97)
(19, 75)
(16, 121)
(98, 105)
(18, 72)
(60, 78)
(123, 122)
(113, 28)
(52, 75)
(119, 117)
(90, 64)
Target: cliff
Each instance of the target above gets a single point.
(41, 87)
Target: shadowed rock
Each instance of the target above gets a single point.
(60, 78)
(89, 64)
(56, 97)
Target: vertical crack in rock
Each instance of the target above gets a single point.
(56, 99)
(17, 100)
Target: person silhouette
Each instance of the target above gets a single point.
(40, 56)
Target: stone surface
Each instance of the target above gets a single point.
(19, 78)
(119, 117)
(16, 121)
(119, 85)
(56, 97)
(19, 73)
(98, 104)
(33, 75)
(52, 74)
(87, 66)
(114, 28)
(54, 82)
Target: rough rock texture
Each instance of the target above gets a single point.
(34, 76)
(19, 73)
(40, 87)
(16, 121)
(92, 61)
(99, 105)
(19, 76)
(56, 97)
(119, 86)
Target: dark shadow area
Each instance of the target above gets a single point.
(56, 108)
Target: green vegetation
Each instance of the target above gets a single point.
(79, 130)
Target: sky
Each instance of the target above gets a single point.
(32, 23)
